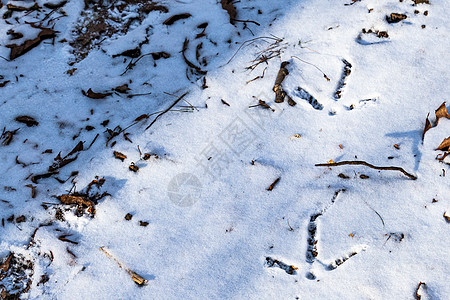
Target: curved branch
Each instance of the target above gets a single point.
(363, 163)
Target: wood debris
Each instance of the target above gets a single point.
(138, 279)
(280, 94)
(363, 163)
(271, 187)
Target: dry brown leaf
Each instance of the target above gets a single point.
(78, 148)
(447, 217)
(444, 145)
(93, 95)
(18, 50)
(147, 156)
(441, 112)
(13, 7)
(133, 167)
(71, 199)
(395, 18)
(29, 121)
(71, 71)
(175, 18)
(119, 155)
(4, 83)
(229, 7)
(122, 88)
(5, 266)
(65, 239)
(427, 126)
(141, 117)
(55, 5)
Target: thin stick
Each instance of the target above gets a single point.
(165, 111)
(324, 75)
(363, 163)
(193, 107)
(247, 21)
(249, 41)
(136, 277)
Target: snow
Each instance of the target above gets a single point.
(212, 221)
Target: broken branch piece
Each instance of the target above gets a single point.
(363, 163)
(138, 279)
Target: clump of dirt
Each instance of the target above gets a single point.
(106, 18)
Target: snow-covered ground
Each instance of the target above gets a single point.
(225, 200)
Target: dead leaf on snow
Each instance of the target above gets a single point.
(13, 7)
(141, 117)
(71, 71)
(427, 126)
(133, 167)
(441, 112)
(71, 199)
(29, 121)
(447, 217)
(93, 95)
(65, 239)
(444, 145)
(229, 7)
(4, 83)
(122, 88)
(5, 266)
(78, 148)
(175, 18)
(119, 155)
(18, 50)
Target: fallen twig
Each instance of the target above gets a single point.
(303, 61)
(273, 184)
(165, 111)
(190, 64)
(138, 279)
(363, 163)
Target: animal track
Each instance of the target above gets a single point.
(302, 93)
(343, 81)
(290, 269)
(339, 261)
(312, 251)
